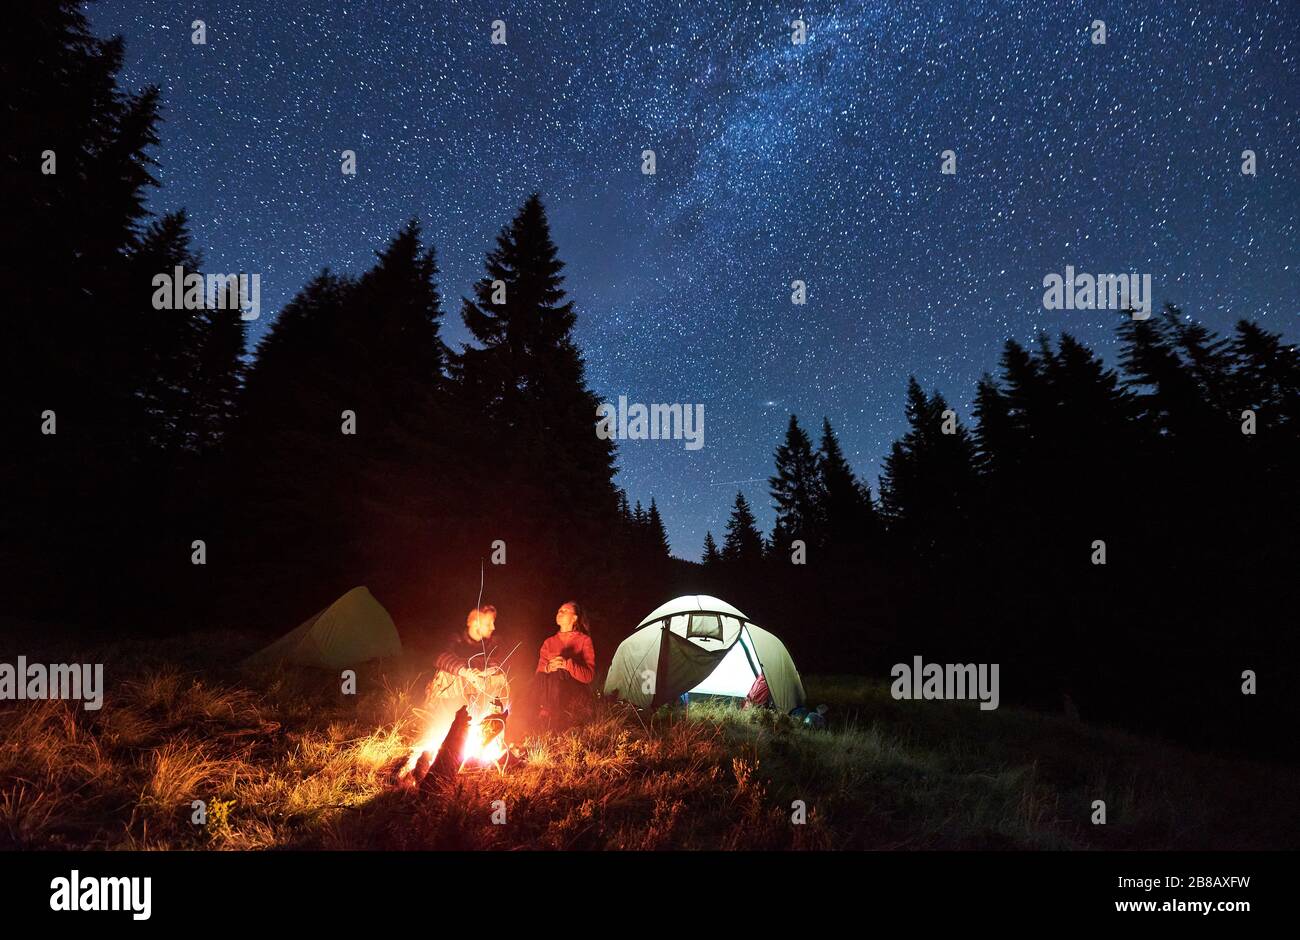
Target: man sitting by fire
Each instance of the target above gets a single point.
(566, 665)
(470, 662)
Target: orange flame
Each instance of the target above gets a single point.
(477, 750)
(480, 751)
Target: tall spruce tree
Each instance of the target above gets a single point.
(525, 378)
(743, 545)
(711, 556)
(187, 374)
(847, 513)
(656, 535)
(168, 339)
(929, 483)
(1266, 380)
(1167, 394)
(217, 378)
(408, 472)
(796, 491)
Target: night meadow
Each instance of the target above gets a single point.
(590, 429)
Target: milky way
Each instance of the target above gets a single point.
(775, 162)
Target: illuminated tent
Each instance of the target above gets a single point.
(701, 645)
(348, 632)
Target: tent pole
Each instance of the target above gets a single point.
(661, 667)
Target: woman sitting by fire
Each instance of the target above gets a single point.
(565, 666)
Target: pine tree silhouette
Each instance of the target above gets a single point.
(1266, 380)
(743, 546)
(929, 483)
(847, 513)
(217, 378)
(796, 491)
(657, 536)
(711, 556)
(168, 339)
(524, 379)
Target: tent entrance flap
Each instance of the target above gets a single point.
(685, 666)
(733, 676)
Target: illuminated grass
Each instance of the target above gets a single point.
(295, 763)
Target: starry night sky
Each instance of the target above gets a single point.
(775, 162)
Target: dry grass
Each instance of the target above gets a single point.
(283, 759)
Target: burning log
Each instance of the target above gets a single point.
(449, 757)
(422, 766)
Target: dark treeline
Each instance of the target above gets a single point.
(982, 547)
(352, 446)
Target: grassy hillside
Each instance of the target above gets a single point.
(284, 760)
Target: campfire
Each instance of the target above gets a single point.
(475, 739)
